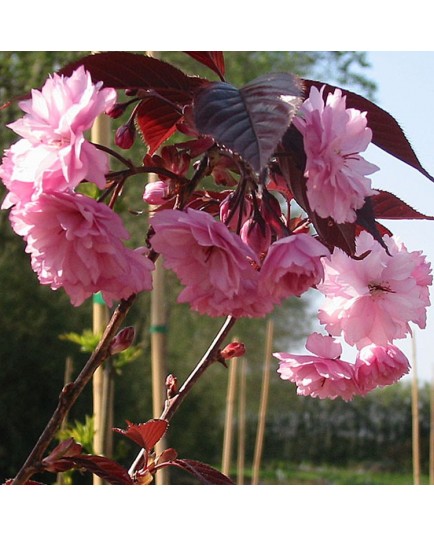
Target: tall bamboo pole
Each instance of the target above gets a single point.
(263, 404)
(415, 417)
(100, 134)
(241, 422)
(158, 342)
(230, 404)
(158, 350)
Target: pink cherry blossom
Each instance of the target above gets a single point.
(378, 366)
(292, 266)
(56, 156)
(333, 137)
(214, 265)
(372, 299)
(78, 244)
(321, 375)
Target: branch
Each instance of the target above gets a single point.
(71, 392)
(211, 356)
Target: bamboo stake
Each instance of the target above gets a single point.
(415, 418)
(431, 434)
(263, 405)
(230, 402)
(241, 422)
(158, 350)
(158, 344)
(100, 134)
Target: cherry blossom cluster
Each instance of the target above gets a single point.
(242, 259)
(74, 241)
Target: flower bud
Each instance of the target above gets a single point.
(125, 135)
(233, 349)
(117, 110)
(155, 193)
(171, 386)
(257, 235)
(122, 340)
(229, 213)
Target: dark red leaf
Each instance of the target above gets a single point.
(203, 472)
(389, 207)
(214, 60)
(157, 121)
(59, 458)
(107, 469)
(386, 132)
(125, 70)
(168, 455)
(249, 121)
(147, 434)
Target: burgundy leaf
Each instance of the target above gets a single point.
(59, 458)
(147, 434)
(203, 472)
(214, 60)
(168, 455)
(387, 206)
(252, 120)
(128, 70)
(157, 121)
(107, 469)
(386, 132)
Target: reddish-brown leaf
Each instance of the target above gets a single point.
(203, 472)
(168, 455)
(122, 70)
(386, 132)
(109, 470)
(156, 120)
(147, 434)
(59, 459)
(389, 207)
(214, 60)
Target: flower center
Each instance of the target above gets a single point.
(377, 289)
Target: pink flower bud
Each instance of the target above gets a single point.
(171, 386)
(155, 193)
(117, 110)
(257, 235)
(124, 137)
(229, 213)
(233, 349)
(122, 341)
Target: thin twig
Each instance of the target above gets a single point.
(71, 392)
(211, 356)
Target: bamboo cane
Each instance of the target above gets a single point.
(158, 343)
(228, 430)
(263, 405)
(100, 134)
(415, 418)
(158, 350)
(241, 422)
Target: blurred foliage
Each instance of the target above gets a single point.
(33, 317)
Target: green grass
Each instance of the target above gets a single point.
(329, 475)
